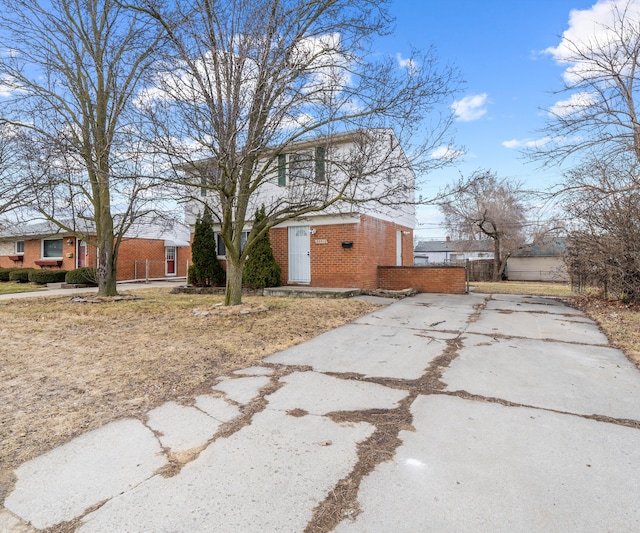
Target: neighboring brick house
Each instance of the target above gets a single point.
(148, 250)
(343, 245)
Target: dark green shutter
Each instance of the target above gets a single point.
(282, 170)
(320, 156)
(203, 183)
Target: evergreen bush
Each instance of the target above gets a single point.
(206, 269)
(261, 269)
(20, 275)
(4, 273)
(82, 276)
(47, 276)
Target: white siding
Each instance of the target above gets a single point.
(391, 168)
(536, 269)
(6, 248)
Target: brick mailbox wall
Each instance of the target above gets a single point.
(448, 280)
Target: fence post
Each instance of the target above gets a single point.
(146, 277)
(466, 270)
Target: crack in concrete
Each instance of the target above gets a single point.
(626, 422)
(72, 525)
(342, 501)
(176, 461)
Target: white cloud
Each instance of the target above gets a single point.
(589, 28)
(446, 152)
(409, 64)
(574, 104)
(516, 144)
(470, 107)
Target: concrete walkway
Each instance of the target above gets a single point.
(436, 413)
(89, 290)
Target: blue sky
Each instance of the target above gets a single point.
(498, 46)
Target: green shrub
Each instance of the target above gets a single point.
(206, 269)
(47, 276)
(82, 276)
(4, 273)
(193, 276)
(261, 269)
(20, 275)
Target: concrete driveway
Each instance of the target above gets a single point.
(436, 413)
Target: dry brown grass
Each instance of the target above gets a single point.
(619, 322)
(68, 368)
(522, 287)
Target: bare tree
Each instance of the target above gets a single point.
(599, 123)
(603, 248)
(484, 206)
(12, 182)
(599, 117)
(246, 82)
(73, 69)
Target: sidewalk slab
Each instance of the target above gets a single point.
(60, 485)
(372, 351)
(430, 312)
(181, 428)
(588, 380)
(308, 391)
(538, 326)
(217, 408)
(269, 476)
(478, 467)
(242, 390)
(534, 305)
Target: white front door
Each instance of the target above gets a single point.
(398, 248)
(299, 255)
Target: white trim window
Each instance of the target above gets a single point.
(307, 165)
(51, 249)
(221, 249)
(18, 247)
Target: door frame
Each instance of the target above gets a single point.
(299, 260)
(167, 260)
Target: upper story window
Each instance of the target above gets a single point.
(456, 257)
(52, 248)
(306, 165)
(19, 247)
(212, 177)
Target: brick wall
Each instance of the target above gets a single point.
(448, 280)
(140, 250)
(130, 251)
(332, 265)
(33, 252)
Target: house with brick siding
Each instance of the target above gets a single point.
(344, 244)
(150, 249)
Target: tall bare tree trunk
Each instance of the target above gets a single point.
(233, 294)
(496, 259)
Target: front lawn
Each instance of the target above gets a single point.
(9, 287)
(68, 367)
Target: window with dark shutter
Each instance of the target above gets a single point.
(320, 165)
(282, 170)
